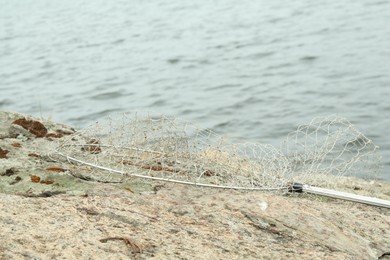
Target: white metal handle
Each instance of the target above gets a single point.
(298, 187)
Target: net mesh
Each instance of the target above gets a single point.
(168, 149)
(330, 146)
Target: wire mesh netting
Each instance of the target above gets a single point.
(330, 146)
(168, 149)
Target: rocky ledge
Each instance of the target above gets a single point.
(49, 211)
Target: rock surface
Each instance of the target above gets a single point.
(49, 212)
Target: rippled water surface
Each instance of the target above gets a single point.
(251, 70)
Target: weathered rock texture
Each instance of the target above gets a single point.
(48, 213)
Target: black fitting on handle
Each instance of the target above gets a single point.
(295, 187)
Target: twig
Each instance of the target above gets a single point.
(133, 246)
(86, 178)
(135, 212)
(44, 194)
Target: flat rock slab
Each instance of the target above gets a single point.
(49, 210)
(177, 222)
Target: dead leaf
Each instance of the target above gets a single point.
(54, 135)
(56, 169)
(34, 127)
(9, 172)
(3, 153)
(208, 173)
(17, 179)
(92, 147)
(47, 182)
(35, 178)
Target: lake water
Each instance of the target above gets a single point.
(250, 70)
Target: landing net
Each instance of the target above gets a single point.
(168, 149)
